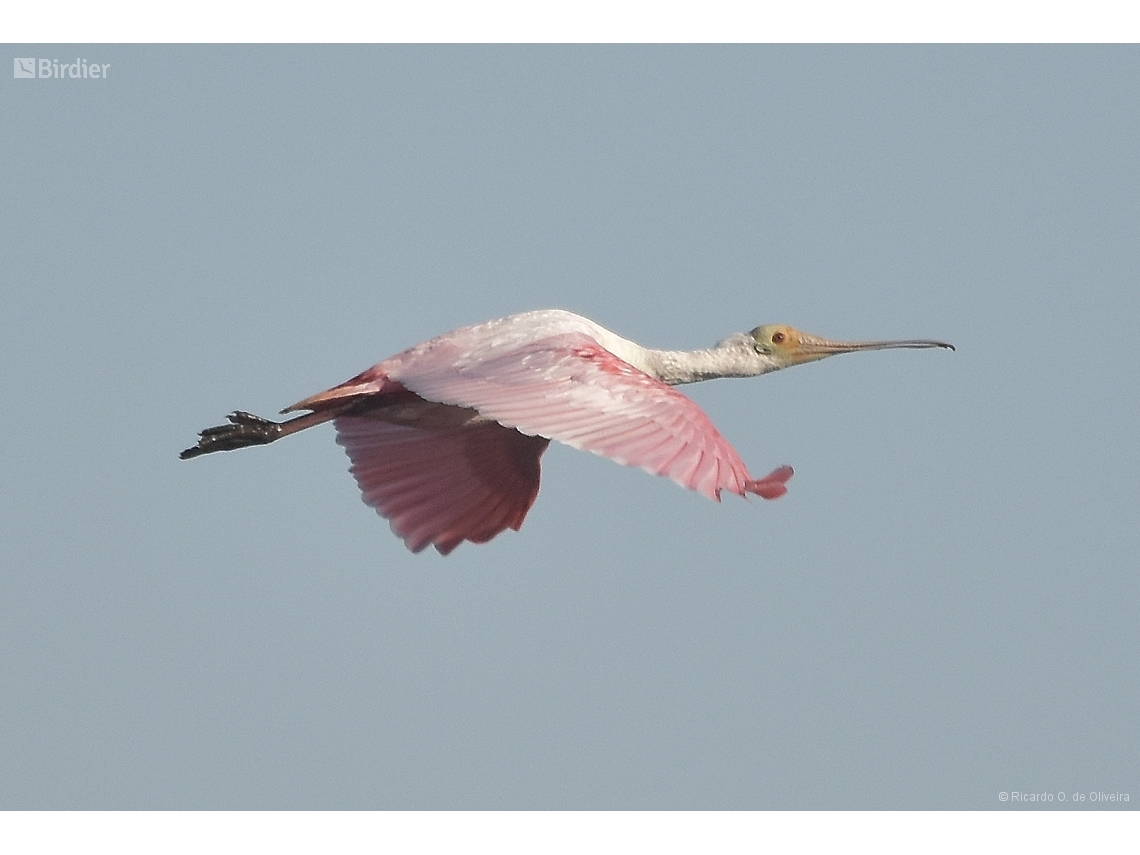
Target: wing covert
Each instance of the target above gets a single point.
(569, 388)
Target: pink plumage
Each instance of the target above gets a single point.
(445, 438)
(439, 483)
(447, 447)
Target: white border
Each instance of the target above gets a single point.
(574, 21)
(552, 833)
(593, 21)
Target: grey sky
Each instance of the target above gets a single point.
(944, 607)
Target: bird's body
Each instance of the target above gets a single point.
(445, 438)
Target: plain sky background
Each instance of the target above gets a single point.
(944, 607)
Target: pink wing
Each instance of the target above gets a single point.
(445, 438)
(442, 477)
(569, 388)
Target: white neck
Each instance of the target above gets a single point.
(733, 357)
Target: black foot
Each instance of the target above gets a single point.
(244, 429)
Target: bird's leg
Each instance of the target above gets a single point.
(247, 429)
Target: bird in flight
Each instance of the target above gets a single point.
(445, 438)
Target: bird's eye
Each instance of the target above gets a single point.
(778, 338)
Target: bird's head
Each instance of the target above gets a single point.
(787, 346)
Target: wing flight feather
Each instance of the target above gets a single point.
(438, 482)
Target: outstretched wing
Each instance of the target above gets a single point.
(439, 475)
(569, 388)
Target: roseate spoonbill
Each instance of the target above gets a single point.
(445, 438)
